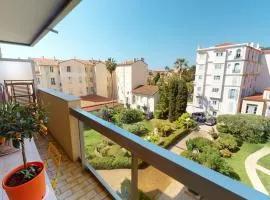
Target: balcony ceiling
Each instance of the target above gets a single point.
(26, 22)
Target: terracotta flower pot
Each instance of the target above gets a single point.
(34, 189)
(2, 140)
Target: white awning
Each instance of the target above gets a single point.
(26, 22)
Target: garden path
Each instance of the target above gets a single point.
(251, 167)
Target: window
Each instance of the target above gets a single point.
(214, 102)
(52, 81)
(218, 66)
(216, 78)
(133, 99)
(215, 89)
(200, 77)
(51, 69)
(232, 93)
(214, 113)
(236, 68)
(219, 54)
(238, 53)
(251, 109)
(199, 89)
(70, 79)
(38, 81)
(68, 69)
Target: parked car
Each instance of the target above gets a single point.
(210, 121)
(198, 116)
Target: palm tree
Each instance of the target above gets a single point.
(111, 66)
(180, 64)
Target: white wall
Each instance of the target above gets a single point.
(263, 80)
(144, 100)
(260, 106)
(12, 69)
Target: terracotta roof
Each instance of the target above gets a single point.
(255, 97)
(267, 88)
(146, 90)
(46, 61)
(224, 44)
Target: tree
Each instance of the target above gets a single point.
(162, 107)
(111, 66)
(181, 99)
(189, 74)
(156, 78)
(167, 68)
(173, 90)
(181, 64)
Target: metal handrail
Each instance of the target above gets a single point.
(207, 182)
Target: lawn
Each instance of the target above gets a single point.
(265, 161)
(265, 179)
(237, 161)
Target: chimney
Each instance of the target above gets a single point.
(142, 59)
(134, 59)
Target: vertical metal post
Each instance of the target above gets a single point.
(81, 132)
(134, 178)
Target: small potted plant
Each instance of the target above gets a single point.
(23, 122)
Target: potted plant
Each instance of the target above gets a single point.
(23, 122)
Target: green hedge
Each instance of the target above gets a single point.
(249, 128)
(167, 141)
(111, 162)
(128, 116)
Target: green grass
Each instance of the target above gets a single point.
(237, 161)
(265, 161)
(265, 179)
(92, 137)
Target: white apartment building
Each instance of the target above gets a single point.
(74, 76)
(77, 77)
(225, 74)
(129, 75)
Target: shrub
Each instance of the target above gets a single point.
(161, 114)
(137, 129)
(208, 155)
(213, 133)
(164, 128)
(198, 143)
(186, 121)
(250, 128)
(152, 137)
(129, 116)
(227, 141)
(225, 153)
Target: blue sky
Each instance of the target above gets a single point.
(158, 30)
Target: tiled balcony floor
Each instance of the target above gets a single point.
(73, 183)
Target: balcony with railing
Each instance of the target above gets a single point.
(142, 168)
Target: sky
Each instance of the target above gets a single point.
(160, 31)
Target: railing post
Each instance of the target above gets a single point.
(81, 132)
(134, 178)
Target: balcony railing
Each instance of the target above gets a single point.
(206, 182)
(68, 126)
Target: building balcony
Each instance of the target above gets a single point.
(80, 130)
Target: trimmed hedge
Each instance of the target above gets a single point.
(166, 142)
(249, 128)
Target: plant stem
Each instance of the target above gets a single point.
(23, 154)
